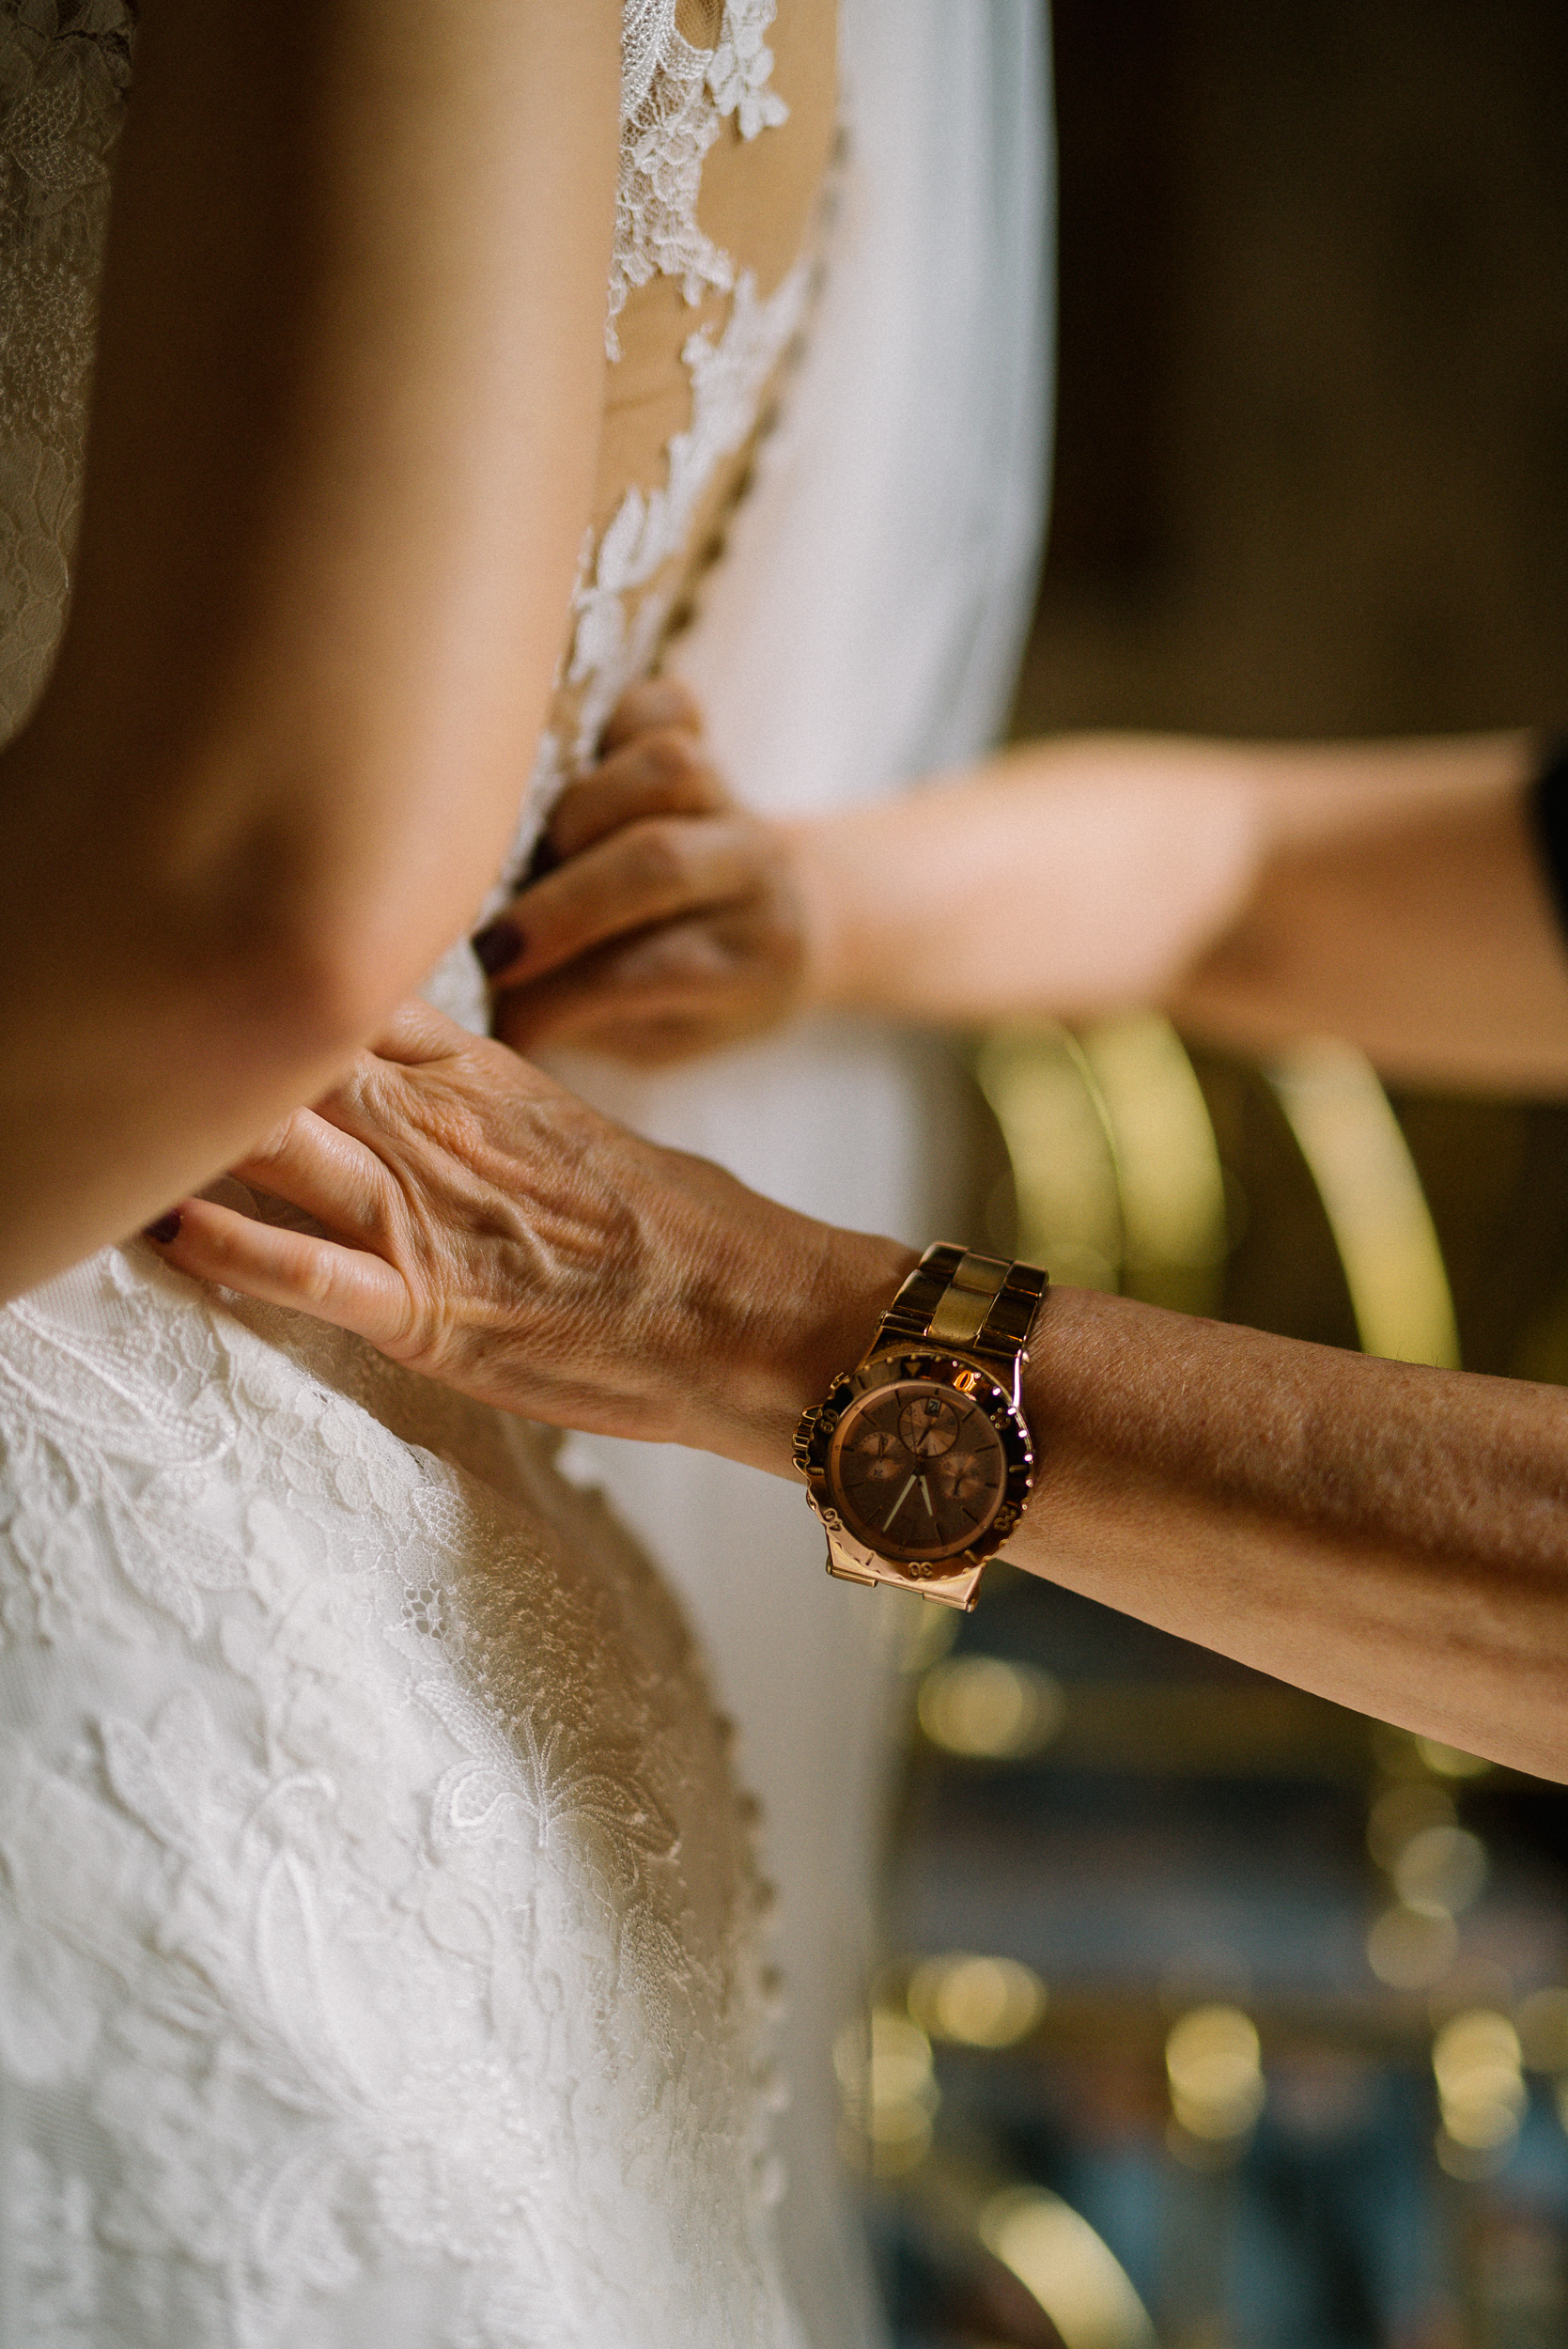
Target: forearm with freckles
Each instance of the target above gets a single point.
(1391, 1538)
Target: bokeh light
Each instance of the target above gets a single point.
(979, 2001)
(1402, 1813)
(1213, 2063)
(1076, 2278)
(1441, 1870)
(1410, 1948)
(1450, 1761)
(982, 1707)
(888, 2092)
(1476, 2061)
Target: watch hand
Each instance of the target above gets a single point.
(926, 1497)
(897, 1506)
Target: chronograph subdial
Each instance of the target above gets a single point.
(918, 1474)
(929, 1426)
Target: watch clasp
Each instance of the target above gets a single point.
(958, 1590)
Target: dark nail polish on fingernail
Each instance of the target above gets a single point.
(496, 945)
(166, 1228)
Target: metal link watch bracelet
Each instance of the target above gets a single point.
(920, 1461)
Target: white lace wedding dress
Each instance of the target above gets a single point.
(381, 1946)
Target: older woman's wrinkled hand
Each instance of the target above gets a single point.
(479, 1223)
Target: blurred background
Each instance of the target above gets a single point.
(1214, 2017)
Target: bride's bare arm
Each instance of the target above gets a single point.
(346, 411)
(1395, 1538)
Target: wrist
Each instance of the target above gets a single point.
(795, 1304)
(820, 872)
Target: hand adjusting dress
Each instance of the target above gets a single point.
(379, 1951)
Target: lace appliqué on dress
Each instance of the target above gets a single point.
(610, 646)
(376, 1914)
(629, 578)
(674, 101)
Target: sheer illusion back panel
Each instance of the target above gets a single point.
(715, 244)
(758, 204)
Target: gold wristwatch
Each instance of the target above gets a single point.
(919, 1462)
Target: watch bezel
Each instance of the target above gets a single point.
(939, 1366)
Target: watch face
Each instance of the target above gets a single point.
(917, 1471)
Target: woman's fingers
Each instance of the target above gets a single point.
(656, 870)
(653, 701)
(345, 1286)
(671, 980)
(313, 1163)
(682, 989)
(660, 773)
(650, 765)
(417, 1033)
